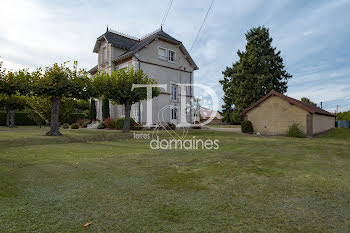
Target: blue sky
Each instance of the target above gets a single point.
(313, 36)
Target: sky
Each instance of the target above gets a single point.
(313, 36)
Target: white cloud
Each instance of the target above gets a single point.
(37, 33)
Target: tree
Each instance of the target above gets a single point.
(11, 104)
(39, 109)
(307, 100)
(12, 85)
(343, 116)
(117, 87)
(58, 82)
(105, 108)
(259, 70)
(92, 110)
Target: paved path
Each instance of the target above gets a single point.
(232, 130)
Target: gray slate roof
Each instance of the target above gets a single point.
(133, 45)
(119, 41)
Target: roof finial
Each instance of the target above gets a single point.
(107, 28)
(161, 27)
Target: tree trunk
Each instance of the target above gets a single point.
(54, 125)
(8, 118)
(12, 119)
(127, 117)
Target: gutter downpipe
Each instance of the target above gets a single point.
(191, 99)
(139, 101)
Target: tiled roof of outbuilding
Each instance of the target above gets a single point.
(307, 107)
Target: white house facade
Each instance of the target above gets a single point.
(163, 58)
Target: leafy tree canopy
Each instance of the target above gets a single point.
(118, 88)
(58, 82)
(13, 102)
(343, 116)
(307, 100)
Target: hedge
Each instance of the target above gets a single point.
(74, 117)
(21, 118)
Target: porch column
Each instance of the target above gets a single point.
(99, 109)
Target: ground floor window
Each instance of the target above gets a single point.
(173, 114)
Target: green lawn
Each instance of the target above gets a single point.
(223, 126)
(251, 184)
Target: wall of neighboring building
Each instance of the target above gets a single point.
(274, 115)
(322, 123)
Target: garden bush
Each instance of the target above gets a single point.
(65, 126)
(110, 123)
(120, 123)
(197, 125)
(138, 127)
(100, 126)
(81, 121)
(247, 127)
(21, 118)
(294, 130)
(74, 117)
(74, 126)
(170, 126)
(85, 124)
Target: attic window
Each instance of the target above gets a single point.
(162, 54)
(104, 55)
(172, 56)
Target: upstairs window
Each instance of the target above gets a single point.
(173, 92)
(171, 56)
(162, 54)
(104, 55)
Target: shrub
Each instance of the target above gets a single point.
(197, 125)
(110, 123)
(21, 118)
(100, 126)
(65, 126)
(138, 127)
(170, 126)
(74, 117)
(74, 126)
(85, 124)
(81, 121)
(120, 123)
(247, 127)
(295, 131)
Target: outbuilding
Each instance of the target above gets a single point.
(274, 113)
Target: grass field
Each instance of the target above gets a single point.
(223, 126)
(251, 184)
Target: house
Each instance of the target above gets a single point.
(159, 55)
(273, 113)
(207, 113)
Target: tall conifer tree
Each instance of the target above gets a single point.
(259, 70)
